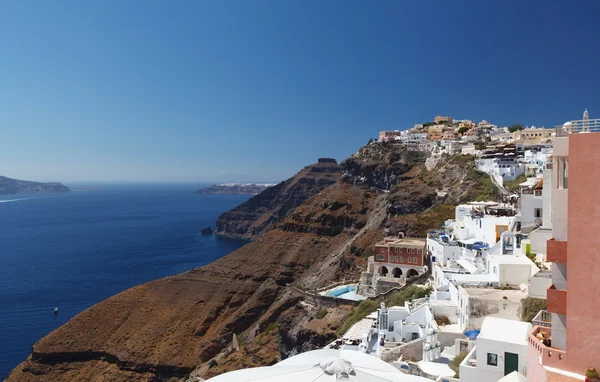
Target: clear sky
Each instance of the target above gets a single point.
(254, 90)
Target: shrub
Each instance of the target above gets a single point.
(321, 313)
(366, 195)
(455, 363)
(442, 320)
(272, 325)
(212, 363)
(410, 293)
(530, 307)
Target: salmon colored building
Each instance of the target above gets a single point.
(572, 344)
(398, 258)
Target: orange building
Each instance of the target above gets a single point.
(572, 343)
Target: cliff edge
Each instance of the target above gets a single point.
(255, 216)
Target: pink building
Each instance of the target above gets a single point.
(385, 136)
(572, 344)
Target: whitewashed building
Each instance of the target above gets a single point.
(501, 348)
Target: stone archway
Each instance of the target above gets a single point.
(397, 273)
(383, 271)
(411, 273)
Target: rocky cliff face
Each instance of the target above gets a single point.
(256, 215)
(170, 328)
(10, 186)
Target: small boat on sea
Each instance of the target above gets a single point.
(55, 310)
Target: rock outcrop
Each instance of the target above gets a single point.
(10, 186)
(256, 215)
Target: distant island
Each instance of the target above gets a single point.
(235, 189)
(10, 186)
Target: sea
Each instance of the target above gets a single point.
(70, 251)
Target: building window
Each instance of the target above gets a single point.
(409, 260)
(419, 251)
(396, 249)
(414, 260)
(396, 258)
(380, 256)
(492, 359)
(537, 212)
(401, 259)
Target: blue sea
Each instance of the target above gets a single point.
(74, 250)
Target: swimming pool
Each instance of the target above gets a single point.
(337, 292)
(347, 292)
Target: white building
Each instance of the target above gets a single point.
(501, 348)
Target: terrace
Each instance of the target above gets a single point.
(540, 340)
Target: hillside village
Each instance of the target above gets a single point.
(484, 296)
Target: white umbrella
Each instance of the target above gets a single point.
(513, 377)
(323, 366)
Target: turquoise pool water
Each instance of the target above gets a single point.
(347, 292)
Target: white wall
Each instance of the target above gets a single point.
(538, 286)
(494, 373)
(514, 274)
(529, 202)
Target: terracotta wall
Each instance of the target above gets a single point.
(583, 247)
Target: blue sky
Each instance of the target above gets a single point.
(254, 90)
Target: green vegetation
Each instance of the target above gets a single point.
(590, 372)
(366, 195)
(212, 363)
(530, 307)
(410, 293)
(485, 189)
(463, 130)
(364, 308)
(321, 313)
(272, 326)
(455, 364)
(513, 185)
(515, 127)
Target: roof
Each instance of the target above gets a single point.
(469, 266)
(435, 368)
(495, 294)
(359, 329)
(503, 330)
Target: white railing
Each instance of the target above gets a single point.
(580, 126)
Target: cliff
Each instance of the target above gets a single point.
(172, 327)
(256, 215)
(235, 189)
(10, 186)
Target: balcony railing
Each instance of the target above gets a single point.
(540, 341)
(580, 126)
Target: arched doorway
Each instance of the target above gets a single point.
(397, 272)
(411, 273)
(383, 271)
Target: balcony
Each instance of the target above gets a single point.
(557, 300)
(543, 318)
(556, 251)
(540, 341)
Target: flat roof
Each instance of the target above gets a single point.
(399, 242)
(495, 294)
(358, 330)
(503, 330)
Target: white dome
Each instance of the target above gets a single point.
(568, 124)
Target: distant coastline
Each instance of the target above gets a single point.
(235, 189)
(10, 186)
